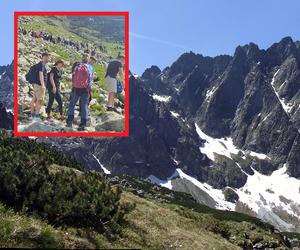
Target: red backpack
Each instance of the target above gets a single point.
(81, 76)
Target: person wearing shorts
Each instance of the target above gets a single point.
(114, 69)
(39, 88)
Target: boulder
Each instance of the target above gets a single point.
(111, 121)
(36, 127)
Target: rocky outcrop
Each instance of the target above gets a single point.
(6, 118)
(111, 121)
(157, 143)
(6, 85)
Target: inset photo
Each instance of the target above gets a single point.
(72, 74)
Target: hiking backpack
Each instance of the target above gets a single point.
(81, 76)
(33, 74)
(119, 87)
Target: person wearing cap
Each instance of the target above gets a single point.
(114, 69)
(39, 88)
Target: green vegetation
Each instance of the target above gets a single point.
(25, 152)
(95, 94)
(48, 201)
(97, 109)
(101, 28)
(100, 72)
(63, 53)
(185, 200)
(114, 49)
(63, 197)
(52, 25)
(78, 30)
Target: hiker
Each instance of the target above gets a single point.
(114, 69)
(39, 86)
(88, 51)
(81, 80)
(91, 63)
(93, 78)
(53, 87)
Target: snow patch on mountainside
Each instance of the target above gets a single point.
(258, 155)
(164, 183)
(216, 194)
(161, 98)
(222, 146)
(105, 170)
(174, 114)
(287, 107)
(267, 196)
(264, 193)
(2, 75)
(210, 92)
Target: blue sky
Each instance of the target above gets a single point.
(161, 30)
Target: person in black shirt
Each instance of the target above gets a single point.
(39, 87)
(114, 69)
(53, 86)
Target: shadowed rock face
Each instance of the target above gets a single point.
(253, 97)
(6, 85)
(6, 118)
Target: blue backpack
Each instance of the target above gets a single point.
(119, 87)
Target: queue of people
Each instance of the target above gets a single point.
(93, 49)
(83, 77)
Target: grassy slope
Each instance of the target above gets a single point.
(151, 225)
(58, 26)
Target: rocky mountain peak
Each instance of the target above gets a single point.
(151, 72)
(280, 51)
(7, 85)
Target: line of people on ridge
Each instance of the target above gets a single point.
(83, 77)
(78, 46)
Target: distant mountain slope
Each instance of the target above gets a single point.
(107, 28)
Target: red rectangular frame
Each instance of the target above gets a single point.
(63, 134)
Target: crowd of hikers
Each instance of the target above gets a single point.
(92, 49)
(83, 77)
